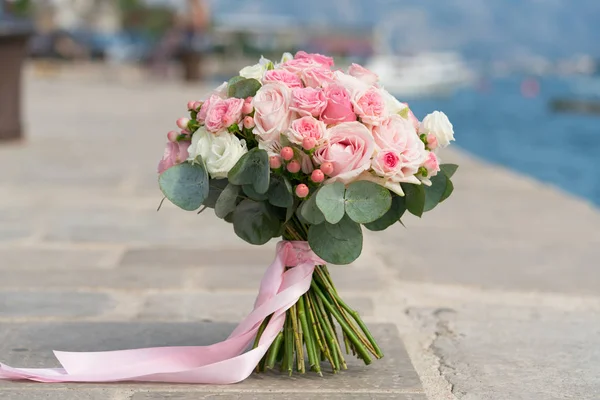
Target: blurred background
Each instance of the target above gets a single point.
(518, 78)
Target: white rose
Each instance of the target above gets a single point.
(285, 57)
(438, 124)
(393, 105)
(220, 152)
(255, 71)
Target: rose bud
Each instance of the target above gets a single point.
(248, 122)
(247, 108)
(172, 136)
(183, 122)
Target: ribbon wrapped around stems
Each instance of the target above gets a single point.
(220, 363)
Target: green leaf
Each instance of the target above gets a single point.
(227, 201)
(255, 222)
(216, 186)
(339, 243)
(185, 185)
(280, 191)
(243, 88)
(250, 192)
(415, 198)
(448, 191)
(392, 216)
(367, 201)
(434, 193)
(404, 112)
(310, 212)
(252, 169)
(449, 169)
(234, 80)
(330, 200)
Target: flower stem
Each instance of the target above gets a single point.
(311, 349)
(330, 334)
(319, 333)
(297, 340)
(274, 351)
(288, 355)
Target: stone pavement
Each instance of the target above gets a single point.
(495, 295)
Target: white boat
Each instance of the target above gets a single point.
(421, 75)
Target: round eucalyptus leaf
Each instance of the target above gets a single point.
(330, 200)
(243, 88)
(339, 243)
(392, 215)
(434, 193)
(255, 222)
(227, 201)
(280, 191)
(448, 191)
(367, 201)
(216, 187)
(310, 212)
(250, 192)
(185, 185)
(449, 169)
(415, 198)
(252, 169)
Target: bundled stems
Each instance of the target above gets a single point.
(310, 326)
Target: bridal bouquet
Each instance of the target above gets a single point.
(305, 152)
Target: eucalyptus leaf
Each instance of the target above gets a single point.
(310, 212)
(227, 201)
(367, 201)
(449, 169)
(252, 169)
(255, 222)
(185, 185)
(280, 191)
(415, 198)
(216, 187)
(339, 243)
(434, 193)
(235, 80)
(392, 215)
(250, 192)
(330, 200)
(448, 191)
(243, 88)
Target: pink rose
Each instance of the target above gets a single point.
(272, 114)
(223, 113)
(349, 149)
(363, 74)
(411, 117)
(307, 127)
(370, 107)
(399, 134)
(432, 141)
(175, 153)
(308, 101)
(431, 164)
(317, 77)
(325, 61)
(339, 106)
(298, 65)
(387, 163)
(205, 106)
(286, 77)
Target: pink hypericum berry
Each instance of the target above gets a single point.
(309, 143)
(327, 168)
(247, 108)
(287, 153)
(248, 122)
(183, 122)
(302, 190)
(293, 166)
(317, 176)
(275, 162)
(172, 136)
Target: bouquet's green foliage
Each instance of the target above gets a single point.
(415, 198)
(252, 169)
(392, 215)
(449, 169)
(227, 201)
(366, 201)
(280, 192)
(256, 221)
(339, 243)
(310, 212)
(253, 194)
(448, 191)
(330, 201)
(185, 185)
(242, 88)
(216, 186)
(441, 187)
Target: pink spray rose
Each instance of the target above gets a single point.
(175, 153)
(370, 106)
(308, 101)
(223, 113)
(363, 74)
(300, 64)
(272, 114)
(339, 106)
(349, 149)
(307, 127)
(325, 61)
(431, 164)
(317, 77)
(413, 119)
(387, 162)
(286, 77)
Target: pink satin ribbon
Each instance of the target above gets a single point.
(220, 363)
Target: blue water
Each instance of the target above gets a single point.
(523, 134)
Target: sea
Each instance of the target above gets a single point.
(501, 124)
